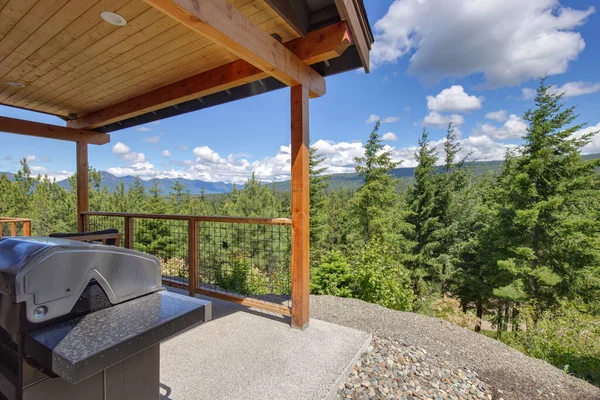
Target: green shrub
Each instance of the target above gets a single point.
(451, 311)
(565, 336)
(381, 279)
(334, 276)
(373, 275)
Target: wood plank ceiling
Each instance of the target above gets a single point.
(73, 62)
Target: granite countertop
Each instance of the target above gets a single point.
(82, 347)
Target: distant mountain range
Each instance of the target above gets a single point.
(346, 181)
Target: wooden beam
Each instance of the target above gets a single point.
(295, 13)
(82, 184)
(348, 10)
(221, 22)
(22, 127)
(300, 207)
(320, 45)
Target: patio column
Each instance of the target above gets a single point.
(300, 207)
(82, 184)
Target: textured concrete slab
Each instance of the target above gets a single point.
(243, 354)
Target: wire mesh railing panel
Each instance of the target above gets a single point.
(168, 240)
(239, 257)
(102, 222)
(252, 260)
(10, 228)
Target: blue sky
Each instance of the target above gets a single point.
(468, 61)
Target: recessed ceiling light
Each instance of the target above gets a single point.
(113, 18)
(16, 84)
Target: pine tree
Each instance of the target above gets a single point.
(136, 196)
(421, 201)
(179, 198)
(377, 198)
(453, 198)
(548, 211)
(318, 217)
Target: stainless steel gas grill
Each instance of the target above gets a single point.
(84, 321)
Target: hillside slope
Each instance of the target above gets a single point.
(510, 373)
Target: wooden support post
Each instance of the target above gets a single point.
(82, 184)
(300, 207)
(13, 229)
(192, 255)
(129, 232)
(27, 228)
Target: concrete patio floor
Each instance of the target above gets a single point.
(246, 354)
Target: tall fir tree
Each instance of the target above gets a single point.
(377, 199)
(421, 202)
(548, 209)
(453, 195)
(318, 216)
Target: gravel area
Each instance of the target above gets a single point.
(395, 370)
(510, 374)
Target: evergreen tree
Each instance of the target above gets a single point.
(377, 198)
(136, 196)
(421, 200)
(548, 211)
(318, 216)
(179, 198)
(454, 202)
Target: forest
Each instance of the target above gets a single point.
(514, 255)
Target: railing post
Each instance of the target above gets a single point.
(192, 255)
(129, 233)
(82, 183)
(83, 222)
(13, 229)
(27, 228)
(300, 207)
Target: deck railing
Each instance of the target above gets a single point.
(245, 260)
(15, 226)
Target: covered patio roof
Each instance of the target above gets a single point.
(106, 65)
(171, 57)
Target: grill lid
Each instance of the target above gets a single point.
(50, 274)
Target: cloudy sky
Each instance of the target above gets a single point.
(472, 62)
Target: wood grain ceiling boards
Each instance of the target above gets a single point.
(71, 61)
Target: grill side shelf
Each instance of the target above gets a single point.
(82, 347)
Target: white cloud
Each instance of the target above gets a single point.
(124, 152)
(30, 158)
(570, 89)
(389, 136)
(143, 129)
(183, 148)
(508, 41)
(390, 119)
(594, 145)
(152, 139)
(438, 120)
(454, 99)
(58, 175)
(499, 115)
(120, 148)
(529, 93)
(573, 89)
(513, 128)
(339, 158)
(374, 118)
(166, 153)
(205, 154)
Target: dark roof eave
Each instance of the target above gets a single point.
(348, 61)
